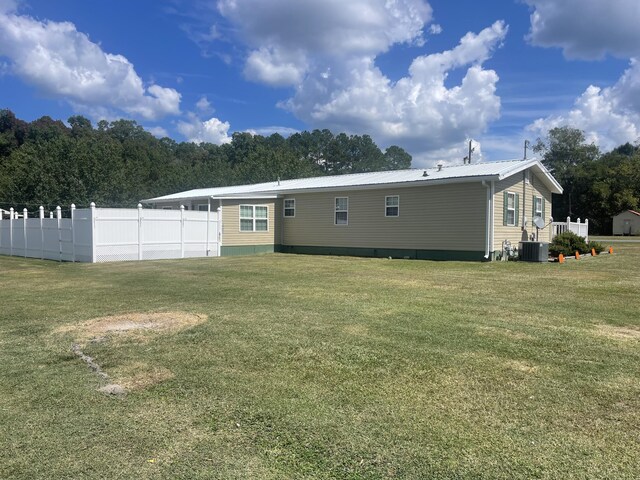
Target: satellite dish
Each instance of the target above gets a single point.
(538, 222)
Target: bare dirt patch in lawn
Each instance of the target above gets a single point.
(139, 375)
(139, 327)
(618, 333)
(132, 323)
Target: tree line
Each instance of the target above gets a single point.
(47, 162)
(596, 185)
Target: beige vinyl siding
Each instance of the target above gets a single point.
(526, 191)
(618, 223)
(231, 234)
(439, 217)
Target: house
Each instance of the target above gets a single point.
(626, 223)
(462, 212)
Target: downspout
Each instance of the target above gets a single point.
(220, 228)
(493, 216)
(487, 239)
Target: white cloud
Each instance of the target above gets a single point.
(209, 131)
(284, 33)
(417, 112)
(587, 29)
(62, 62)
(591, 29)
(204, 105)
(608, 116)
(327, 51)
(267, 131)
(274, 67)
(158, 132)
(435, 29)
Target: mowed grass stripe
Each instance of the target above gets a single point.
(326, 367)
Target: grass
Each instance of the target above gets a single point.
(325, 367)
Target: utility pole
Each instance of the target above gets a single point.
(467, 159)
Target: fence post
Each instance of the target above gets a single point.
(73, 233)
(586, 228)
(579, 228)
(58, 217)
(139, 231)
(41, 212)
(93, 232)
(11, 232)
(219, 232)
(181, 231)
(25, 215)
(208, 225)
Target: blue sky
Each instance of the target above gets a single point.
(426, 76)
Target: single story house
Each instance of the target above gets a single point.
(626, 223)
(462, 212)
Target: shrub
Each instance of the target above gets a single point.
(568, 243)
(597, 246)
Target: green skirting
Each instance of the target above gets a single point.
(228, 251)
(385, 252)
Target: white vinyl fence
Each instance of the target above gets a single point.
(112, 234)
(578, 228)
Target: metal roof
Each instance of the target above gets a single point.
(356, 181)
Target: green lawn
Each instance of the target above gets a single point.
(325, 367)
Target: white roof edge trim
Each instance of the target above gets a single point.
(384, 186)
(242, 197)
(557, 188)
(347, 188)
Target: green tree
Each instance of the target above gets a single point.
(568, 157)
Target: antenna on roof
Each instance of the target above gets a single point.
(527, 144)
(278, 180)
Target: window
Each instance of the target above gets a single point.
(202, 207)
(289, 207)
(510, 209)
(254, 218)
(537, 207)
(342, 211)
(167, 208)
(392, 206)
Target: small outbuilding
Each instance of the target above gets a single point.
(626, 223)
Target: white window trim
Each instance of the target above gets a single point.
(254, 218)
(391, 206)
(508, 209)
(335, 211)
(284, 209)
(537, 213)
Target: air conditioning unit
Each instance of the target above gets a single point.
(534, 252)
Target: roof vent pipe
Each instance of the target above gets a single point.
(440, 165)
(425, 174)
